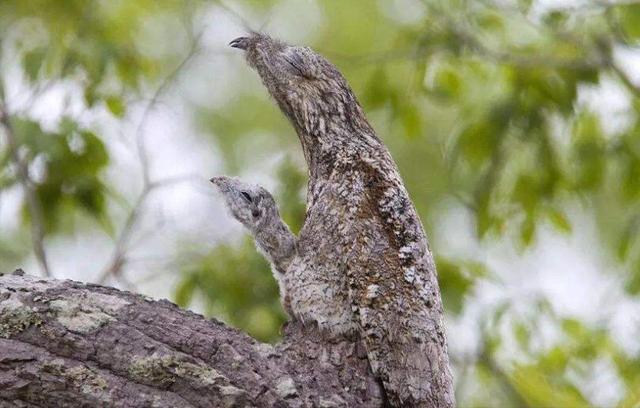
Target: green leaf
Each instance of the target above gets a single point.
(185, 290)
(526, 192)
(447, 83)
(292, 184)
(559, 220)
(74, 161)
(630, 19)
(454, 285)
(33, 61)
(478, 141)
(491, 20)
(90, 96)
(537, 389)
(522, 334)
(627, 239)
(588, 152)
(555, 19)
(115, 106)
(555, 360)
(632, 285)
(574, 328)
(630, 177)
(527, 231)
(485, 220)
(378, 92)
(410, 119)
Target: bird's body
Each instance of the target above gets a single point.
(363, 266)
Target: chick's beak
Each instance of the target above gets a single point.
(240, 42)
(218, 181)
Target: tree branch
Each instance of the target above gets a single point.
(118, 257)
(64, 343)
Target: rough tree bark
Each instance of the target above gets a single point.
(69, 344)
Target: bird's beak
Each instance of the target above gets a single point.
(240, 42)
(217, 180)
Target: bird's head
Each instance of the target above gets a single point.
(250, 204)
(308, 88)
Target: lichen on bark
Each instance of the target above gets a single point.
(65, 343)
(15, 316)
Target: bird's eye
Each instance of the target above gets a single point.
(246, 196)
(296, 62)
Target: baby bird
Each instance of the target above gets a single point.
(256, 209)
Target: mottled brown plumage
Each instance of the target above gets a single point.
(256, 209)
(363, 266)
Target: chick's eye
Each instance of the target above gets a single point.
(246, 196)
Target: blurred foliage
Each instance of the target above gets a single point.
(73, 160)
(236, 285)
(479, 102)
(93, 43)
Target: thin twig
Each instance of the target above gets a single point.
(164, 85)
(620, 36)
(119, 255)
(245, 23)
(622, 76)
(35, 209)
(118, 258)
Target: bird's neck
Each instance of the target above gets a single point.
(340, 146)
(321, 155)
(277, 242)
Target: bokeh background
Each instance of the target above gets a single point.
(515, 124)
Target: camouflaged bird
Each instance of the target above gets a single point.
(256, 209)
(362, 264)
